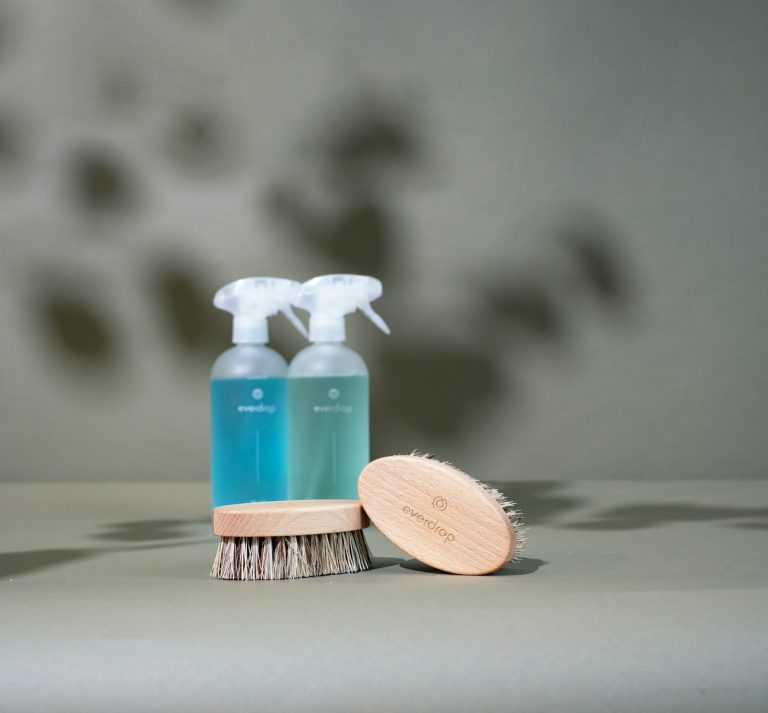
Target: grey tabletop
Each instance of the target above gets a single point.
(631, 596)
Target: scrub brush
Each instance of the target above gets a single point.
(290, 539)
(440, 515)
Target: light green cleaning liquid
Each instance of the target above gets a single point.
(327, 435)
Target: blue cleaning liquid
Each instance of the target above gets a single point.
(328, 438)
(248, 440)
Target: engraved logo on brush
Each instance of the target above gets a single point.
(439, 503)
(432, 525)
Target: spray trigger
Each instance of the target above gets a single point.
(251, 301)
(295, 321)
(330, 298)
(376, 318)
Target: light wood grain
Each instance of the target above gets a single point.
(437, 514)
(290, 517)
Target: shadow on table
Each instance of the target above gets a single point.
(136, 534)
(384, 562)
(540, 501)
(644, 515)
(15, 563)
(151, 530)
(526, 565)
(751, 525)
(25, 562)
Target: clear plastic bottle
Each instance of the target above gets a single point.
(249, 396)
(328, 392)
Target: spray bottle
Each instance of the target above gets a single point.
(249, 396)
(328, 437)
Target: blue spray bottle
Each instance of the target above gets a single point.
(328, 434)
(248, 396)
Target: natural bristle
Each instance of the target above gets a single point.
(293, 557)
(508, 505)
(515, 517)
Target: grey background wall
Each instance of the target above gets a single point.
(565, 201)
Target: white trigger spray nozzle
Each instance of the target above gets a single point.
(252, 300)
(329, 298)
(376, 318)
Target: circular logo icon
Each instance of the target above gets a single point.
(439, 503)
(257, 394)
(333, 394)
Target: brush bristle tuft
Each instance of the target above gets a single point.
(508, 505)
(515, 517)
(258, 558)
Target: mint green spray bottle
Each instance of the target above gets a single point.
(249, 415)
(328, 394)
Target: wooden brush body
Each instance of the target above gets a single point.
(438, 514)
(290, 539)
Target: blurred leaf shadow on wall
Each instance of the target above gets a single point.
(104, 186)
(355, 158)
(9, 30)
(342, 206)
(180, 295)
(15, 140)
(200, 141)
(345, 209)
(100, 182)
(76, 322)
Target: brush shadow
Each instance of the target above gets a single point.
(384, 562)
(526, 565)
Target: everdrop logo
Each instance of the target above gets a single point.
(439, 503)
(333, 395)
(258, 395)
(432, 525)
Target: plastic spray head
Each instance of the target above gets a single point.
(329, 298)
(251, 301)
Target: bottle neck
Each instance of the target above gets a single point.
(324, 328)
(249, 330)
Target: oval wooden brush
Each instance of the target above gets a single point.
(440, 515)
(290, 539)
